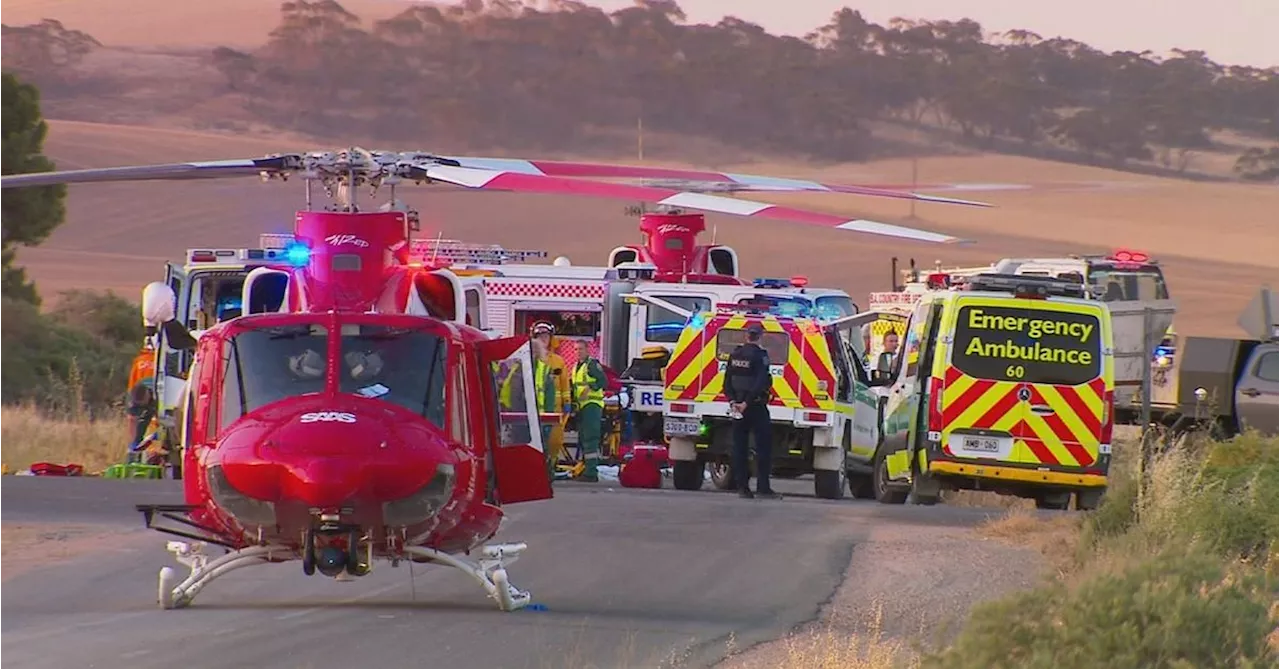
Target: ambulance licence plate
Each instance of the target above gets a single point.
(981, 444)
(681, 426)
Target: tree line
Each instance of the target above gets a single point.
(500, 73)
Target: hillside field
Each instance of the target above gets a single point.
(1217, 241)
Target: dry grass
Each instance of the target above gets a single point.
(837, 643)
(29, 436)
(1056, 537)
(834, 648)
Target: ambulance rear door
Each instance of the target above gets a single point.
(1027, 382)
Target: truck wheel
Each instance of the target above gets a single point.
(687, 474)
(1053, 501)
(721, 475)
(828, 485)
(882, 490)
(1088, 500)
(861, 486)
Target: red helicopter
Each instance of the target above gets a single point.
(347, 421)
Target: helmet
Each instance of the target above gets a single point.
(542, 327)
(307, 365)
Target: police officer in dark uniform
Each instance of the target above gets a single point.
(748, 384)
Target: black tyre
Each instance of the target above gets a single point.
(828, 485)
(882, 490)
(687, 475)
(1088, 500)
(721, 475)
(1054, 501)
(861, 486)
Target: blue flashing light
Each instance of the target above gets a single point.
(297, 254)
(699, 320)
(770, 283)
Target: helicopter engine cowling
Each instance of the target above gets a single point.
(372, 462)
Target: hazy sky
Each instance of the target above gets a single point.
(1237, 32)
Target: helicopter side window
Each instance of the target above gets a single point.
(267, 365)
(399, 365)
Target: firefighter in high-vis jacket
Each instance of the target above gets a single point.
(545, 333)
(588, 388)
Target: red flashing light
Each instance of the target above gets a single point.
(1125, 255)
(938, 280)
(203, 256)
(799, 281)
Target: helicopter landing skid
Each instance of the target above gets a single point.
(490, 571)
(173, 595)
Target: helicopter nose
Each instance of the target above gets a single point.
(367, 462)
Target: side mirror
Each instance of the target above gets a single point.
(159, 304)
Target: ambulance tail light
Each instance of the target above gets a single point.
(1108, 418)
(935, 404)
(682, 407)
(815, 418)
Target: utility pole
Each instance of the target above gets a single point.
(640, 138)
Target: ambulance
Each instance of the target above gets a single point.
(1129, 281)
(1006, 384)
(821, 407)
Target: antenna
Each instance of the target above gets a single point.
(893, 275)
(435, 249)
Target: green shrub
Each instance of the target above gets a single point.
(59, 364)
(1182, 609)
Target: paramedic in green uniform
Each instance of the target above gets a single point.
(588, 396)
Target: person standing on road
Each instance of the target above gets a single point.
(588, 394)
(748, 385)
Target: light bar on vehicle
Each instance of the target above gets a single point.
(446, 251)
(197, 256)
(1022, 285)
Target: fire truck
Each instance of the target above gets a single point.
(1130, 282)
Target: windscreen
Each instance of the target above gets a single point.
(398, 365)
(1027, 345)
(774, 343)
(665, 326)
(831, 307)
(1122, 283)
(271, 364)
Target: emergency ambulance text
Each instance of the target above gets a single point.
(1026, 344)
(1034, 328)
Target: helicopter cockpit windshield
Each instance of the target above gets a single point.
(270, 364)
(399, 365)
(403, 366)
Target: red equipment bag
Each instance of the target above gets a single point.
(50, 469)
(643, 469)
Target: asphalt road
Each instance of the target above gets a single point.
(629, 578)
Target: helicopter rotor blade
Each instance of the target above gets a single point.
(209, 169)
(689, 180)
(501, 180)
